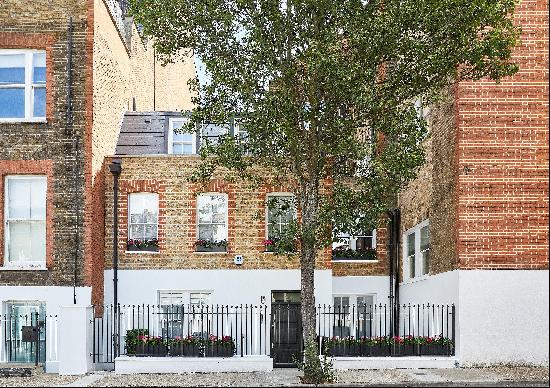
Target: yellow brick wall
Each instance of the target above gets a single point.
(170, 173)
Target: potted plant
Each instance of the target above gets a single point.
(435, 346)
(378, 347)
(151, 245)
(131, 339)
(210, 246)
(151, 346)
(219, 346)
(185, 346)
(405, 346)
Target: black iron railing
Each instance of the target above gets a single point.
(226, 331)
(28, 338)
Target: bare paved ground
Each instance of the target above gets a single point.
(37, 379)
(503, 376)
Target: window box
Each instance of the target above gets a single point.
(218, 350)
(142, 245)
(350, 254)
(378, 351)
(133, 248)
(200, 248)
(210, 246)
(151, 350)
(184, 350)
(403, 350)
(436, 350)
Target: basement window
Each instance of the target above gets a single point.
(22, 85)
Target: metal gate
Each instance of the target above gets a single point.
(24, 334)
(286, 334)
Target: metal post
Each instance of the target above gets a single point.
(115, 168)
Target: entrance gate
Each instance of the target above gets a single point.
(286, 329)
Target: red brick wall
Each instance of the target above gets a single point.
(29, 167)
(502, 157)
(21, 40)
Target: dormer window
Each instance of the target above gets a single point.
(181, 143)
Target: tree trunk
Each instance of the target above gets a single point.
(309, 198)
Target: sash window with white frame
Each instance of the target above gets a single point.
(212, 217)
(22, 85)
(210, 133)
(181, 143)
(416, 253)
(25, 221)
(353, 315)
(143, 216)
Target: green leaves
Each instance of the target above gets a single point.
(325, 89)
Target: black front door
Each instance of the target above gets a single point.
(286, 328)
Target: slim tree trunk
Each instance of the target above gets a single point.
(309, 198)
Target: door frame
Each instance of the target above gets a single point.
(299, 328)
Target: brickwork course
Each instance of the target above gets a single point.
(485, 186)
(110, 70)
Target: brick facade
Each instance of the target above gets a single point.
(107, 72)
(485, 185)
(168, 176)
(246, 214)
(502, 146)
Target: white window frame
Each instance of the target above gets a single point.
(30, 264)
(418, 267)
(204, 125)
(193, 142)
(28, 86)
(353, 306)
(277, 194)
(141, 193)
(226, 212)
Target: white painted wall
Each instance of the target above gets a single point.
(52, 296)
(504, 316)
(439, 289)
(226, 286)
(363, 285)
(75, 343)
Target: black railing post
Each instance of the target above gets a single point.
(453, 328)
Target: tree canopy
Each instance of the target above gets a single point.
(328, 93)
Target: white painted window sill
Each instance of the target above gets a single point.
(142, 252)
(22, 121)
(24, 267)
(415, 279)
(354, 261)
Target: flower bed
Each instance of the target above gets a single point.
(389, 346)
(139, 343)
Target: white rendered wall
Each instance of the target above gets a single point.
(502, 315)
(362, 285)
(52, 296)
(226, 286)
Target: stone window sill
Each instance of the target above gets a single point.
(354, 261)
(23, 121)
(24, 267)
(415, 279)
(142, 252)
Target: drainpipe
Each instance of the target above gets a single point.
(115, 168)
(394, 242)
